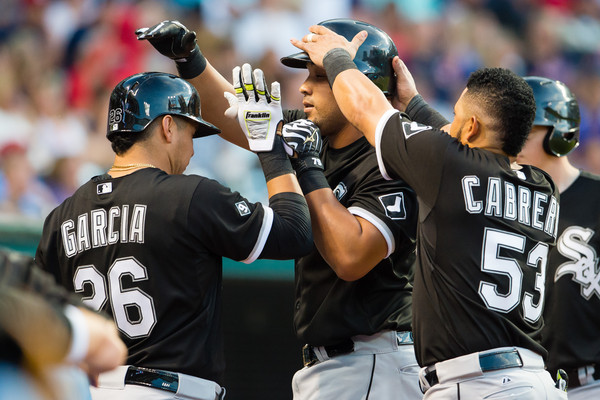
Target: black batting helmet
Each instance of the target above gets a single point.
(373, 58)
(556, 107)
(137, 100)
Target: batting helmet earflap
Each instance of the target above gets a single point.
(373, 58)
(137, 100)
(557, 108)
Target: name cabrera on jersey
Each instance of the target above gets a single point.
(147, 248)
(483, 244)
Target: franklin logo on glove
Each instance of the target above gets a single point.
(257, 110)
(257, 115)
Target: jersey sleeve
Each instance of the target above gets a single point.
(227, 223)
(293, 115)
(412, 152)
(46, 255)
(390, 206)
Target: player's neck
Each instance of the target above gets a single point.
(131, 162)
(344, 137)
(562, 172)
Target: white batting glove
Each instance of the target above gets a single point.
(258, 111)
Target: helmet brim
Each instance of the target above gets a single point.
(297, 60)
(205, 128)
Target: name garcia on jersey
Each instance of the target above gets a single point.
(100, 228)
(504, 200)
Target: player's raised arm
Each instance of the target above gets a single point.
(361, 102)
(172, 39)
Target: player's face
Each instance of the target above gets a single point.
(319, 104)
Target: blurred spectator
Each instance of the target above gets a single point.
(21, 191)
(60, 58)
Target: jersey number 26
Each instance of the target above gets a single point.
(121, 299)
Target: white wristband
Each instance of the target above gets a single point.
(80, 335)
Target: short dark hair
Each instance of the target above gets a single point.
(122, 141)
(509, 100)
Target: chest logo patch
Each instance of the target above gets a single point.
(242, 208)
(413, 128)
(104, 188)
(340, 190)
(393, 204)
(574, 244)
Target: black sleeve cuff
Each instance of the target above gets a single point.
(418, 110)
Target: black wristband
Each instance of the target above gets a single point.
(312, 180)
(276, 162)
(336, 61)
(192, 66)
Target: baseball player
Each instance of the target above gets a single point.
(572, 280)
(353, 291)
(45, 332)
(485, 224)
(145, 243)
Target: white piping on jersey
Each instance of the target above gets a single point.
(265, 229)
(378, 133)
(379, 224)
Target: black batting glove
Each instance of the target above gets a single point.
(172, 39)
(303, 143)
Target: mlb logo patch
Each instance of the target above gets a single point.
(393, 204)
(104, 188)
(242, 208)
(340, 190)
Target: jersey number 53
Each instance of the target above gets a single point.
(492, 262)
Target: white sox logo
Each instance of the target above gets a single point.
(573, 244)
(393, 204)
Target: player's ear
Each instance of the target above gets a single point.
(168, 127)
(471, 130)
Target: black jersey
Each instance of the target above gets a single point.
(329, 309)
(573, 281)
(484, 234)
(147, 248)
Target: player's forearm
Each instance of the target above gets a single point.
(282, 184)
(350, 248)
(361, 102)
(211, 85)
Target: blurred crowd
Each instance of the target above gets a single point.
(59, 60)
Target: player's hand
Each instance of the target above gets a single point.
(258, 111)
(406, 88)
(321, 39)
(303, 143)
(170, 38)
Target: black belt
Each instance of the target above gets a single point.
(573, 376)
(154, 378)
(310, 358)
(487, 362)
